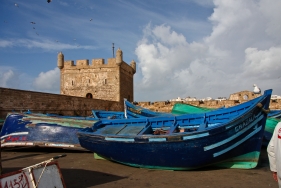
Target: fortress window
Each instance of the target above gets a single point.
(72, 82)
(89, 96)
(105, 81)
(245, 97)
(89, 81)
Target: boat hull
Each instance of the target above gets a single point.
(238, 139)
(178, 155)
(41, 130)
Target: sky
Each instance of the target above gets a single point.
(182, 48)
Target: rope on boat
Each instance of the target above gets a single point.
(266, 111)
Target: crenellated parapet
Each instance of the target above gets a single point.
(96, 63)
(68, 63)
(84, 63)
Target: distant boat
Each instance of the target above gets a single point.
(130, 111)
(274, 117)
(231, 137)
(140, 112)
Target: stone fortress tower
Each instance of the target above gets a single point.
(112, 81)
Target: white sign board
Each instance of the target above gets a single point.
(42, 176)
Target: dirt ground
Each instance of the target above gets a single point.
(81, 170)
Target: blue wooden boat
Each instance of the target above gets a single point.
(29, 129)
(274, 114)
(230, 137)
(132, 110)
(102, 114)
(51, 130)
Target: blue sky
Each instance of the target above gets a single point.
(196, 48)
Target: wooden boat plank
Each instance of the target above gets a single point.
(132, 130)
(111, 129)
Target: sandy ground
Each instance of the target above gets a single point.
(81, 170)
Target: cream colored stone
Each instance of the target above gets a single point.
(112, 81)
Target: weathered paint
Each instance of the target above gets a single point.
(250, 125)
(120, 139)
(21, 129)
(246, 161)
(238, 142)
(67, 122)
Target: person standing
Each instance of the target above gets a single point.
(274, 154)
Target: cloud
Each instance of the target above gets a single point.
(242, 49)
(48, 81)
(44, 44)
(5, 43)
(263, 64)
(8, 77)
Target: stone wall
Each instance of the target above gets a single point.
(101, 80)
(21, 100)
(126, 83)
(164, 106)
(243, 95)
(111, 81)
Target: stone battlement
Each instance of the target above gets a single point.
(95, 63)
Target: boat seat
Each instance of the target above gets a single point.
(111, 129)
(132, 129)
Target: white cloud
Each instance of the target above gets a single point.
(271, 12)
(44, 44)
(8, 77)
(243, 48)
(48, 81)
(5, 43)
(263, 64)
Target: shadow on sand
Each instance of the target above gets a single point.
(77, 178)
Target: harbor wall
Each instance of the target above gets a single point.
(39, 102)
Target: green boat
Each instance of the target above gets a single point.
(269, 128)
(180, 109)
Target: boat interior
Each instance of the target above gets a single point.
(175, 124)
(167, 125)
